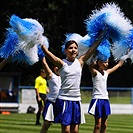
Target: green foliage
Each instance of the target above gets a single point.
(58, 18)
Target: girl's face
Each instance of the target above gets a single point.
(103, 65)
(72, 52)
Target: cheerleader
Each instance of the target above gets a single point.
(67, 110)
(54, 83)
(100, 105)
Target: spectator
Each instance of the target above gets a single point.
(41, 90)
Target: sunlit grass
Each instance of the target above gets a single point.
(24, 123)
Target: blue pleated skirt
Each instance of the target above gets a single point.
(99, 108)
(68, 112)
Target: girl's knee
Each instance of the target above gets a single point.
(74, 128)
(104, 125)
(74, 131)
(98, 126)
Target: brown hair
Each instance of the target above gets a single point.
(69, 43)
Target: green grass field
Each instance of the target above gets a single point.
(123, 99)
(24, 123)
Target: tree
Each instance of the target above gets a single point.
(58, 18)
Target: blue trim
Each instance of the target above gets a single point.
(110, 88)
(90, 88)
(87, 88)
(26, 87)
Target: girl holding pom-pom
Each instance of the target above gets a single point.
(68, 109)
(54, 82)
(99, 105)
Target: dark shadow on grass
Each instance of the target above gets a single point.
(27, 124)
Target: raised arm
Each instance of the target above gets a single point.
(92, 69)
(4, 62)
(119, 64)
(83, 58)
(47, 69)
(55, 60)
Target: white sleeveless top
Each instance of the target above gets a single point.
(70, 80)
(54, 85)
(100, 86)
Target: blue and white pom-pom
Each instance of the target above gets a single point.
(40, 52)
(84, 45)
(72, 37)
(94, 27)
(29, 30)
(130, 55)
(22, 41)
(123, 49)
(129, 52)
(119, 49)
(109, 16)
(26, 56)
(10, 45)
(32, 55)
(83, 42)
(103, 51)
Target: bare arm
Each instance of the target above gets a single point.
(55, 60)
(92, 70)
(4, 62)
(119, 64)
(46, 68)
(83, 58)
(47, 90)
(37, 94)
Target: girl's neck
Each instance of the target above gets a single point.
(101, 71)
(70, 59)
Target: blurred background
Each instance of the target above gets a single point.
(59, 17)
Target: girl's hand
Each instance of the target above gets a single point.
(120, 63)
(104, 33)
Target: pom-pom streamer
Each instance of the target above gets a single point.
(10, 45)
(29, 30)
(109, 16)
